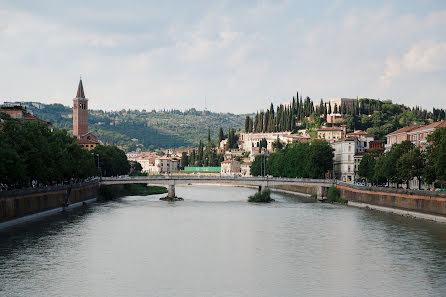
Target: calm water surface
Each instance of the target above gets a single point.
(216, 244)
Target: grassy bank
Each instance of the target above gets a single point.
(112, 192)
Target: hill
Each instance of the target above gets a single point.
(148, 130)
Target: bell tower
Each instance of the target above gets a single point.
(80, 112)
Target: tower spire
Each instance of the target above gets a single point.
(80, 90)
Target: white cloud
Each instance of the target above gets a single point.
(423, 57)
(239, 57)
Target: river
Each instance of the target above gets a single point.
(216, 244)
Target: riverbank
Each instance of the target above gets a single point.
(19, 206)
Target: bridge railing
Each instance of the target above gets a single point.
(216, 178)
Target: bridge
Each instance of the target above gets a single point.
(319, 186)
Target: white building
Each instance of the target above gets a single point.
(348, 154)
(245, 169)
(230, 168)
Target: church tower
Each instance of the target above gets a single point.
(80, 112)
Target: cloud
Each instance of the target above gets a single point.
(423, 57)
(239, 55)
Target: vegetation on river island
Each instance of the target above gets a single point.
(263, 196)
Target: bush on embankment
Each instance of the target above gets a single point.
(334, 195)
(111, 192)
(261, 197)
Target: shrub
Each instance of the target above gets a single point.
(333, 195)
(262, 197)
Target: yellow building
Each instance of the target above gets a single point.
(331, 133)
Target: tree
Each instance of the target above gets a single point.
(410, 165)
(247, 122)
(263, 143)
(184, 160)
(200, 155)
(436, 157)
(277, 144)
(113, 161)
(257, 166)
(368, 163)
(221, 135)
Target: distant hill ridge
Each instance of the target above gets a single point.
(148, 130)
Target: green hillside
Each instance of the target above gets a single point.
(148, 130)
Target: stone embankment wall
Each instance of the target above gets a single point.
(15, 204)
(309, 190)
(411, 200)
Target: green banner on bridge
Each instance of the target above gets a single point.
(202, 169)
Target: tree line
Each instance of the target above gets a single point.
(378, 117)
(208, 155)
(304, 160)
(405, 161)
(32, 154)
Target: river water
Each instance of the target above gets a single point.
(216, 244)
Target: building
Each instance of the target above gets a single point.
(232, 153)
(398, 136)
(335, 118)
(357, 161)
(230, 168)
(85, 139)
(249, 140)
(331, 134)
(416, 134)
(80, 112)
(344, 159)
(363, 140)
(376, 144)
(245, 169)
(419, 136)
(339, 102)
(18, 112)
(348, 154)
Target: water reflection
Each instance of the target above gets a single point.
(216, 244)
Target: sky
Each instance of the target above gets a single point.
(238, 56)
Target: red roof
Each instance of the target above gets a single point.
(331, 129)
(431, 126)
(403, 130)
(359, 133)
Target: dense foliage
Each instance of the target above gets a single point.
(31, 152)
(306, 160)
(148, 130)
(374, 116)
(436, 158)
(404, 162)
(112, 161)
(263, 196)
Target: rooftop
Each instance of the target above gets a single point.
(403, 130)
(431, 126)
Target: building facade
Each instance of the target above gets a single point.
(416, 134)
(331, 134)
(230, 168)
